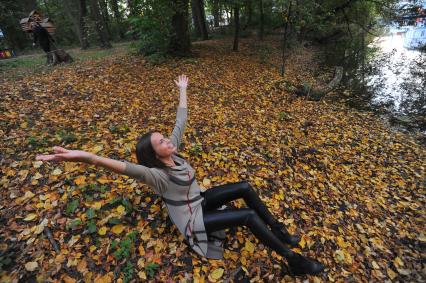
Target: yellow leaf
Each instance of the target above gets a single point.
(74, 239)
(56, 172)
(80, 180)
(82, 266)
(117, 229)
(39, 228)
(37, 176)
(216, 274)
(146, 235)
(141, 250)
(206, 182)
(107, 278)
(375, 265)
(121, 209)
(102, 231)
(341, 242)
(302, 242)
(97, 148)
(142, 275)
(68, 279)
(398, 262)
(103, 180)
(97, 205)
(31, 266)
(249, 246)
(70, 167)
(30, 217)
(391, 274)
(339, 255)
(88, 277)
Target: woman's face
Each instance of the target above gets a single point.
(163, 146)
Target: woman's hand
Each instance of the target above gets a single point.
(62, 154)
(182, 81)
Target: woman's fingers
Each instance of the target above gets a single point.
(47, 157)
(40, 157)
(181, 81)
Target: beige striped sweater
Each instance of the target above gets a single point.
(181, 195)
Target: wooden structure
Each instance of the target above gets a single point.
(34, 16)
(55, 56)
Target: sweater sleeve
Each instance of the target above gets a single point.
(150, 176)
(181, 116)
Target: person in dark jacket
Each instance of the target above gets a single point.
(41, 35)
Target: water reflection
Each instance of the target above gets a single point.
(395, 69)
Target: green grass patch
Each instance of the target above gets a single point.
(27, 64)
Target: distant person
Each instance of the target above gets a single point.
(41, 35)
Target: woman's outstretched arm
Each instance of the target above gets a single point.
(62, 154)
(149, 176)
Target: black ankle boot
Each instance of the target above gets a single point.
(300, 265)
(281, 232)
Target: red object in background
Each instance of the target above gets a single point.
(6, 53)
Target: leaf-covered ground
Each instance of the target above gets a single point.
(353, 188)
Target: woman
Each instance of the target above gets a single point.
(197, 214)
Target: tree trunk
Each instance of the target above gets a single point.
(69, 8)
(84, 42)
(237, 26)
(105, 17)
(249, 16)
(195, 18)
(216, 13)
(28, 6)
(261, 20)
(199, 18)
(180, 43)
(132, 7)
(58, 56)
(117, 17)
(363, 57)
(203, 23)
(287, 19)
(100, 28)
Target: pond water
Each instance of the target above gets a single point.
(400, 76)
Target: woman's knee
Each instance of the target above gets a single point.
(251, 216)
(244, 186)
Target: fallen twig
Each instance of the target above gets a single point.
(49, 235)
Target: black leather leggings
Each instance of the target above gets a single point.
(256, 217)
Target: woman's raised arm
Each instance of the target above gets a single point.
(182, 83)
(182, 112)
